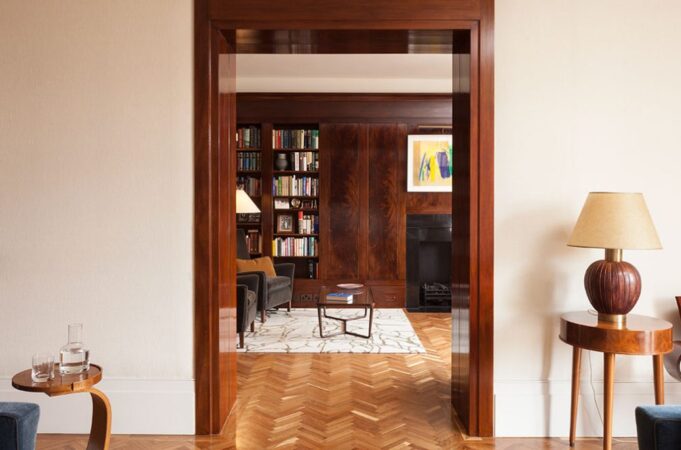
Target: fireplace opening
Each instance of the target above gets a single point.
(429, 250)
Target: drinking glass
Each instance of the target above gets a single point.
(42, 369)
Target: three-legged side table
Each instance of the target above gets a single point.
(639, 335)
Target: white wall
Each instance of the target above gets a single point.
(96, 202)
(587, 98)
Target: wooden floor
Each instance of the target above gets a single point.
(342, 401)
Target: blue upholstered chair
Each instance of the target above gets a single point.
(658, 427)
(18, 425)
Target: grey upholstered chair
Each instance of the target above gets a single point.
(273, 291)
(246, 304)
(18, 425)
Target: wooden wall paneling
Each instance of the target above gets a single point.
(341, 197)
(386, 206)
(385, 15)
(342, 14)
(485, 225)
(267, 162)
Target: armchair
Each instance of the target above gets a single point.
(272, 291)
(246, 304)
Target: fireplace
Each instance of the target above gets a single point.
(429, 250)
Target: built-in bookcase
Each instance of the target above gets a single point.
(278, 166)
(249, 163)
(295, 197)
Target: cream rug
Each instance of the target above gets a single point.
(298, 332)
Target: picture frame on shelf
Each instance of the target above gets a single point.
(285, 223)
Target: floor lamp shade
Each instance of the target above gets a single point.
(614, 221)
(244, 204)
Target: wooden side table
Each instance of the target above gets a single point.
(100, 430)
(640, 335)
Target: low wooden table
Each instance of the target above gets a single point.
(361, 299)
(640, 335)
(100, 430)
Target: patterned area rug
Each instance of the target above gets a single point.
(298, 332)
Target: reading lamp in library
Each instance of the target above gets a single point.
(244, 204)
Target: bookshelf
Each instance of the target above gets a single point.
(295, 197)
(249, 163)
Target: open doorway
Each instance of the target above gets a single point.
(216, 361)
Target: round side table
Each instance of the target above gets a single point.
(640, 335)
(100, 430)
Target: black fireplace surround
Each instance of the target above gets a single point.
(429, 253)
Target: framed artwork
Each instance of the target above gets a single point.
(429, 163)
(285, 223)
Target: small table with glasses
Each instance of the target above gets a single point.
(100, 429)
(361, 299)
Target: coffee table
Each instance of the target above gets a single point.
(362, 298)
(100, 430)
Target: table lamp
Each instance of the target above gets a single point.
(244, 204)
(614, 221)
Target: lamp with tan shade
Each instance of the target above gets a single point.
(614, 221)
(244, 204)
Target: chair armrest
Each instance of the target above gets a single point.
(286, 270)
(252, 281)
(261, 293)
(241, 306)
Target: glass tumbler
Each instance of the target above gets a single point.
(42, 369)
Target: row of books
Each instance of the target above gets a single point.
(307, 246)
(249, 184)
(294, 185)
(308, 223)
(254, 241)
(295, 139)
(248, 161)
(248, 137)
(302, 161)
(282, 203)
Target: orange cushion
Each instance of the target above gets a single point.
(263, 264)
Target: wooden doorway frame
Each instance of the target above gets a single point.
(215, 23)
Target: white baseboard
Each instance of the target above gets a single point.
(138, 407)
(542, 408)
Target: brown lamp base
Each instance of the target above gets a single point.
(613, 286)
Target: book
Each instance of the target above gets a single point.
(339, 297)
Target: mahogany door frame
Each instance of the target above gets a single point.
(215, 22)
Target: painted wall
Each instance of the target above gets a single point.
(96, 202)
(587, 98)
(96, 192)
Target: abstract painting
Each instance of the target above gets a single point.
(429, 163)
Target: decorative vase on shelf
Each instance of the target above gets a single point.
(74, 357)
(281, 161)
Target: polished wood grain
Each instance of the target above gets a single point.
(476, 289)
(613, 287)
(100, 428)
(351, 41)
(386, 205)
(342, 401)
(640, 335)
(341, 200)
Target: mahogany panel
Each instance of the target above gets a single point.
(352, 41)
(413, 109)
(350, 13)
(386, 208)
(342, 178)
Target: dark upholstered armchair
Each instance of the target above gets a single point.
(246, 304)
(272, 291)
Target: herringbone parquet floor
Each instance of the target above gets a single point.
(341, 401)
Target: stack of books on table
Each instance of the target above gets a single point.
(339, 297)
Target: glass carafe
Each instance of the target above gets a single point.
(74, 357)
